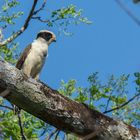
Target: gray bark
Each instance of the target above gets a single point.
(65, 114)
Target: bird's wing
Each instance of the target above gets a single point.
(23, 56)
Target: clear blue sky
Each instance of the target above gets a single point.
(110, 45)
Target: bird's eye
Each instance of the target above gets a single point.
(48, 36)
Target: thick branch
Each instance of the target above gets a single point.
(23, 28)
(58, 110)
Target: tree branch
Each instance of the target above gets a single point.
(41, 8)
(53, 133)
(57, 135)
(40, 19)
(108, 101)
(65, 114)
(7, 107)
(23, 28)
(118, 107)
(129, 13)
(136, 1)
(20, 125)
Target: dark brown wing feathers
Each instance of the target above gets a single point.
(22, 58)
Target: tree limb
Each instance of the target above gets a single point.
(124, 104)
(23, 28)
(65, 114)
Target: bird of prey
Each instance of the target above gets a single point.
(33, 57)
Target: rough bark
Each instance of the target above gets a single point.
(65, 114)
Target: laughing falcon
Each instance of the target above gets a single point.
(33, 57)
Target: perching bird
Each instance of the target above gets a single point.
(33, 57)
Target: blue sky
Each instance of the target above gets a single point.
(110, 45)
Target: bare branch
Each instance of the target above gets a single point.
(40, 19)
(23, 28)
(20, 125)
(41, 8)
(57, 135)
(129, 13)
(7, 107)
(53, 133)
(108, 101)
(119, 107)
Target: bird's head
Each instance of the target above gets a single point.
(48, 36)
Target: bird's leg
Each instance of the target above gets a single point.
(37, 77)
(27, 70)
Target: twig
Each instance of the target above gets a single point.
(21, 127)
(57, 135)
(7, 107)
(40, 19)
(41, 8)
(108, 101)
(23, 28)
(129, 13)
(55, 131)
(118, 107)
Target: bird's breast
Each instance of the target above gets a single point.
(36, 58)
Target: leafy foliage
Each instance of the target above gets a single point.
(9, 53)
(107, 96)
(64, 17)
(9, 125)
(7, 17)
(66, 13)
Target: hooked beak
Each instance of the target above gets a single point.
(54, 40)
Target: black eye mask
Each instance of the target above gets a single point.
(45, 35)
